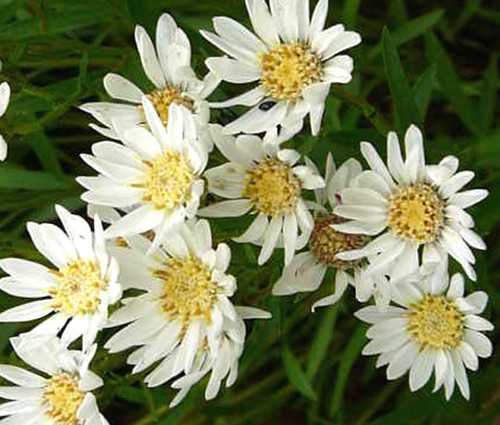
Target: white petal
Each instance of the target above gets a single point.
(148, 57)
(234, 208)
(119, 87)
(26, 312)
(270, 239)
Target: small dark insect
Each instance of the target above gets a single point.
(267, 105)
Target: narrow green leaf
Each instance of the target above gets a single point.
(450, 83)
(349, 356)
(489, 97)
(410, 30)
(296, 375)
(398, 12)
(401, 92)
(351, 12)
(321, 341)
(46, 152)
(422, 90)
(17, 178)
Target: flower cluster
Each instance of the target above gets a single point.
(387, 230)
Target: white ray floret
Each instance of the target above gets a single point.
(291, 58)
(184, 323)
(153, 177)
(60, 395)
(75, 293)
(435, 328)
(262, 179)
(307, 270)
(168, 67)
(4, 103)
(407, 205)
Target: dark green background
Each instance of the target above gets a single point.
(437, 68)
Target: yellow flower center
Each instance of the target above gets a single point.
(163, 98)
(188, 292)
(79, 288)
(416, 213)
(62, 398)
(272, 188)
(325, 242)
(168, 181)
(435, 322)
(287, 69)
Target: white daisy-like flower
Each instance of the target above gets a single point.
(265, 180)
(435, 328)
(408, 205)
(293, 59)
(168, 67)
(4, 103)
(77, 292)
(184, 319)
(307, 270)
(153, 177)
(62, 395)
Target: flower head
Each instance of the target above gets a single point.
(261, 179)
(184, 318)
(408, 205)
(77, 292)
(168, 67)
(435, 328)
(153, 177)
(291, 57)
(61, 396)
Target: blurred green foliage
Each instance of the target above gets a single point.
(434, 63)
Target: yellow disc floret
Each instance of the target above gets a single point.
(62, 399)
(325, 242)
(272, 188)
(287, 69)
(188, 292)
(163, 98)
(79, 288)
(168, 181)
(416, 213)
(435, 322)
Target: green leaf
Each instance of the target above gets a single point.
(296, 375)
(17, 178)
(451, 84)
(401, 92)
(410, 30)
(489, 97)
(422, 90)
(351, 12)
(349, 356)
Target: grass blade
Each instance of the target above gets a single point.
(296, 375)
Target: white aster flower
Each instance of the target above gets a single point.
(154, 178)
(61, 396)
(77, 292)
(435, 329)
(291, 57)
(4, 103)
(409, 205)
(263, 179)
(168, 67)
(307, 270)
(184, 318)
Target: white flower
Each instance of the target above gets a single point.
(62, 395)
(264, 179)
(4, 103)
(154, 178)
(409, 205)
(307, 270)
(168, 67)
(434, 329)
(78, 291)
(184, 318)
(293, 59)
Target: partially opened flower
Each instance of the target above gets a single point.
(409, 205)
(168, 67)
(153, 177)
(4, 103)
(292, 59)
(76, 292)
(307, 270)
(61, 395)
(184, 323)
(436, 328)
(261, 179)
